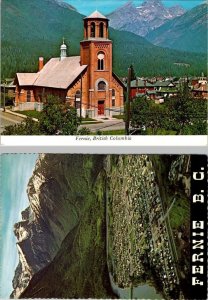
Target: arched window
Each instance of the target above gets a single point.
(101, 57)
(78, 95)
(92, 29)
(101, 30)
(102, 86)
(28, 96)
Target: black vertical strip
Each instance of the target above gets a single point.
(198, 227)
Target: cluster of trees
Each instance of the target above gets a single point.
(182, 114)
(57, 118)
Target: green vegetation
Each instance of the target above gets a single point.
(180, 213)
(187, 32)
(79, 270)
(24, 39)
(57, 118)
(120, 117)
(30, 113)
(114, 132)
(181, 114)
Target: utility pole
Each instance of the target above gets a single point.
(75, 103)
(4, 94)
(128, 102)
(81, 102)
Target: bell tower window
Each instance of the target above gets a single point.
(101, 30)
(92, 29)
(101, 58)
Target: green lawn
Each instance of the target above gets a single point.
(114, 132)
(30, 113)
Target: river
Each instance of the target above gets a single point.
(144, 291)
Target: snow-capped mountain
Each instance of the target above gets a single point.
(142, 19)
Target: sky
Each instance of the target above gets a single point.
(106, 6)
(16, 169)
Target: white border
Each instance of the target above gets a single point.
(107, 141)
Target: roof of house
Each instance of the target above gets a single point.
(140, 83)
(96, 15)
(56, 73)
(119, 80)
(163, 83)
(202, 89)
(26, 78)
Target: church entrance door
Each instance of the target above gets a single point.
(101, 107)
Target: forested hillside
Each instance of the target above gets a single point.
(35, 28)
(187, 32)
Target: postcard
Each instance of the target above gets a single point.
(104, 68)
(104, 226)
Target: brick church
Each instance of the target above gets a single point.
(86, 81)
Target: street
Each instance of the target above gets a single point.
(106, 125)
(8, 119)
(113, 124)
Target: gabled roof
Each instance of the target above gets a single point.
(163, 83)
(140, 83)
(96, 15)
(26, 78)
(119, 80)
(60, 73)
(56, 73)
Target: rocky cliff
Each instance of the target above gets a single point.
(60, 190)
(141, 20)
(91, 214)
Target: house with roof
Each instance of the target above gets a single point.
(200, 90)
(87, 81)
(141, 88)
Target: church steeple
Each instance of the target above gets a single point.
(96, 26)
(63, 49)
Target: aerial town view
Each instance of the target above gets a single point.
(104, 67)
(118, 227)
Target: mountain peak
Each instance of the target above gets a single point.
(141, 20)
(156, 2)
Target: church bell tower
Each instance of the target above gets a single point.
(96, 52)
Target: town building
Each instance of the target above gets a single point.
(87, 81)
(141, 88)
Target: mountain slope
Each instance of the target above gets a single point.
(187, 32)
(140, 20)
(25, 38)
(67, 204)
(110, 237)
